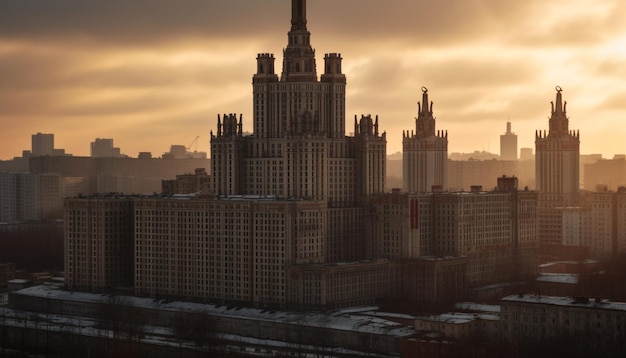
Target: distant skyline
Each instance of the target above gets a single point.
(152, 73)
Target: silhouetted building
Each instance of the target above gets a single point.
(587, 159)
(181, 152)
(29, 197)
(463, 174)
(508, 144)
(85, 175)
(42, 144)
(608, 172)
(103, 148)
(18, 197)
(425, 152)
(526, 154)
(49, 197)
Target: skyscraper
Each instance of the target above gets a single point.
(296, 214)
(557, 157)
(42, 144)
(556, 171)
(508, 144)
(103, 148)
(291, 195)
(299, 148)
(424, 152)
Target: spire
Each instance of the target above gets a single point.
(298, 15)
(559, 101)
(219, 126)
(424, 106)
(559, 122)
(299, 56)
(425, 122)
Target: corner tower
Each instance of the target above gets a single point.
(424, 152)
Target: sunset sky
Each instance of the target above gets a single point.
(151, 73)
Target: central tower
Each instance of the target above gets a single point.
(299, 148)
(298, 103)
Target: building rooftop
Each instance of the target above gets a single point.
(460, 317)
(565, 278)
(582, 302)
(361, 319)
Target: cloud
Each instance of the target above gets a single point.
(133, 22)
(165, 68)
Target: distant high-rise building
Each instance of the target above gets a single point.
(42, 144)
(18, 197)
(508, 144)
(526, 154)
(609, 172)
(463, 174)
(29, 197)
(103, 148)
(425, 152)
(556, 171)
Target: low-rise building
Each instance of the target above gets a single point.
(531, 319)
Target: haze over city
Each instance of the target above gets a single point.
(154, 73)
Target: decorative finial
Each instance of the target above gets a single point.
(424, 89)
(559, 89)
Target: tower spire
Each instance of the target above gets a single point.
(559, 122)
(559, 101)
(298, 15)
(299, 56)
(424, 107)
(425, 122)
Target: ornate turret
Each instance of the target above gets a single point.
(332, 69)
(228, 125)
(265, 69)
(366, 126)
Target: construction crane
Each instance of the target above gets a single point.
(194, 141)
